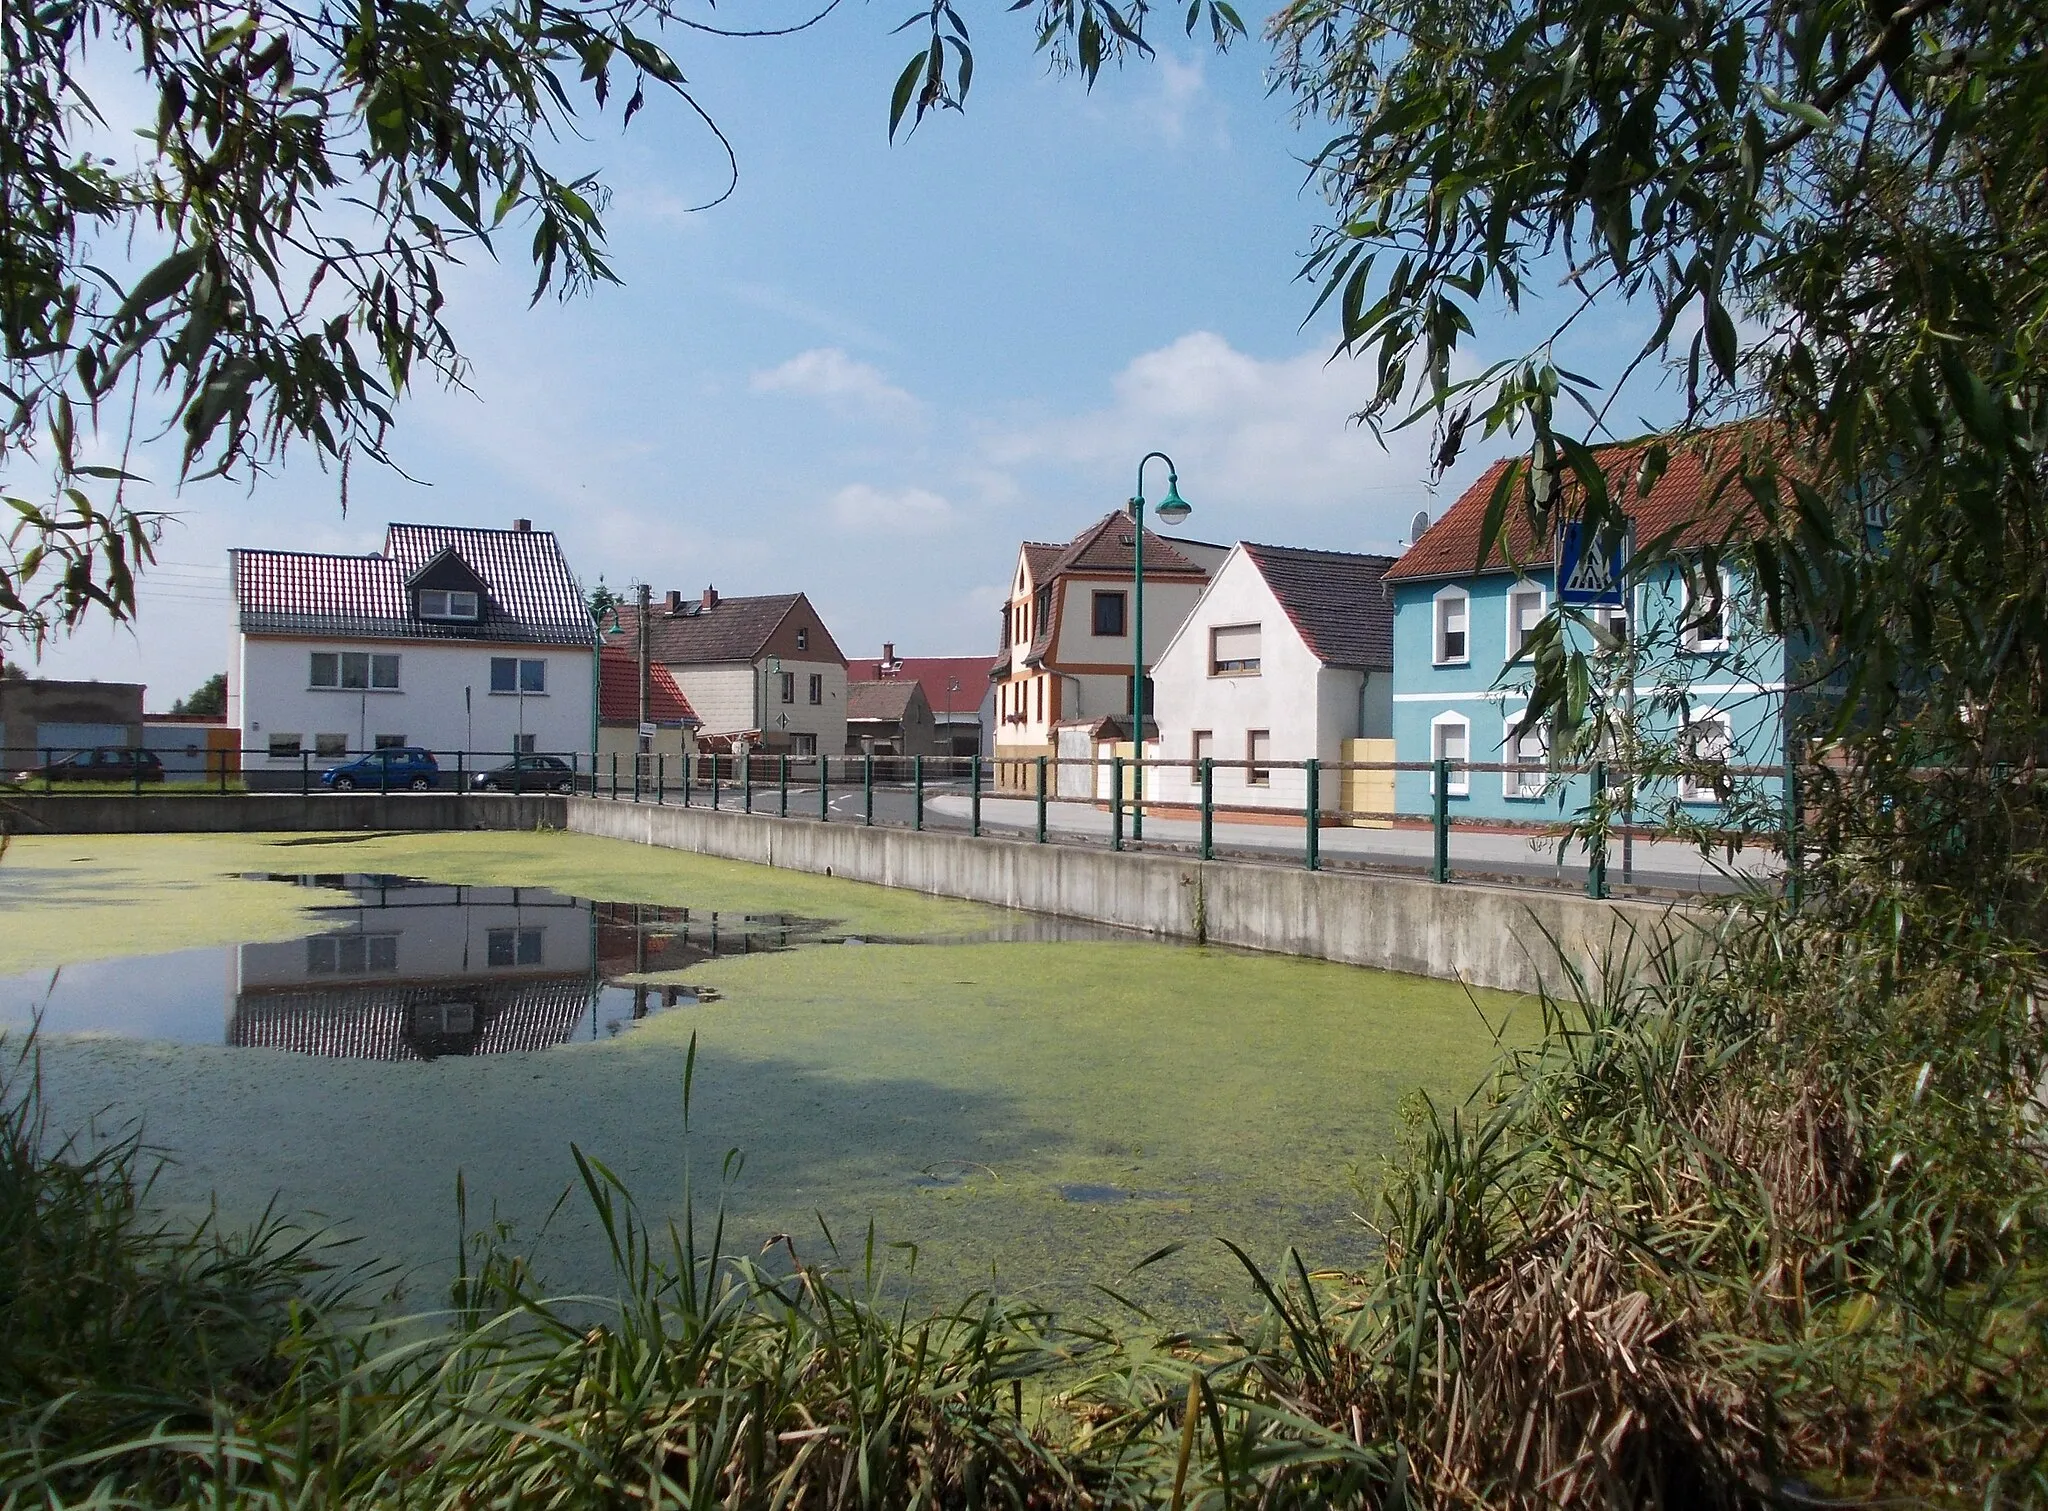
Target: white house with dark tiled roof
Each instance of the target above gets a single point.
(1289, 656)
(449, 638)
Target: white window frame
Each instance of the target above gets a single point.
(1461, 766)
(1688, 790)
(1519, 590)
(1438, 630)
(1690, 637)
(443, 604)
(1516, 782)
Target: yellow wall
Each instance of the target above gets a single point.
(1369, 791)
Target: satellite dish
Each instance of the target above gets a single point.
(1417, 525)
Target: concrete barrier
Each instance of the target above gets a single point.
(1486, 936)
(276, 813)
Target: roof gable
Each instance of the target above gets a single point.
(893, 700)
(936, 675)
(1336, 600)
(1110, 545)
(727, 630)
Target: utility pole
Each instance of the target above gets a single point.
(642, 641)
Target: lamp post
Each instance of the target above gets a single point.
(599, 632)
(1172, 510)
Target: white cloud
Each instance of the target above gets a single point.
(1181, 83)
(845, 384)
(861, 507)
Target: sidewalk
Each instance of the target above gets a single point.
(1658, 863)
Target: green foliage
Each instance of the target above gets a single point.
(1831, 212)
(210, 698)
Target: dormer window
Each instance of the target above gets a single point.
(440, 603)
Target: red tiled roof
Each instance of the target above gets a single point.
(1698, 497)
(1040, 556)
(532, 594)
(933, 673)
(731, 629)
(1337, 599)
(1109, 546)
(618, 691)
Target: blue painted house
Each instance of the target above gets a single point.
(1707, 682)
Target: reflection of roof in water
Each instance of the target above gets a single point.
(393, 1021)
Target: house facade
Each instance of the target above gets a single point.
(1702, 677)
(450, 638)
(1288, 656)
(957, 689)
(760, 672)
(44, 719)
(1066, 651)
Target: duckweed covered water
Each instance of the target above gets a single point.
(1036, 1114)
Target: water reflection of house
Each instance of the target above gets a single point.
(414, 971)
(633, 937)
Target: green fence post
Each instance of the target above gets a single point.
(1208, 850)
(1791, 779)
(660, 779)
(824, 788)
(636, 775)
(1596, 853)
(305, 770)
(1313, 813)
(1041, 800)
(747, 781)
(462, 777)
(917, 792)
(974, 796)
(615, 774)
(867, 788)
(223, 775)
(1116, 802)
(383, 777)
(782, 785)
(135, 768)
(1440, 823)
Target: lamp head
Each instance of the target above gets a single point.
(1173, 508)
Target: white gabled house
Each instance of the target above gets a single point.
(1288, 656)
(450, 638)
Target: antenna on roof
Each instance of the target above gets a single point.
(1418, 525)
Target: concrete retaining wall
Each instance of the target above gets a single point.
(1487, 936)
(277, 813)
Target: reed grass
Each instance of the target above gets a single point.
(1754, 1223)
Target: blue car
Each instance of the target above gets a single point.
(401, 766)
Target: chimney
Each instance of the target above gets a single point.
(522, 525)
(710, 599)
(889, 654)
(675, 602)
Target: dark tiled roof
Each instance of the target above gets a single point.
(618, 695)
(375, 1022)
(879, 700)
(1337, 599)
(1699, 497)
(1039, 557)
(733, 629)
(932, 673)
(533, 596)
(1109, 546)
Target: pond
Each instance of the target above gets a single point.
(1008, 1104)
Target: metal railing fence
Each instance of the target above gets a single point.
(878, 790)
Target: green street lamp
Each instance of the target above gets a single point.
(600, 631)
(1172, 510)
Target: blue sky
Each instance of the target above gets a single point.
(875, 368)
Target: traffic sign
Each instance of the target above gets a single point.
(1586, 575)
(774, 666)
(646, 731)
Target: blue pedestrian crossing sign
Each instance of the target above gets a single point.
(1586, 575)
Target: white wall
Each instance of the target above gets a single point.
(722, 695)
(1167, 603)
(434, 943)
(1306, 707)
(276, 698)
(732, 696)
